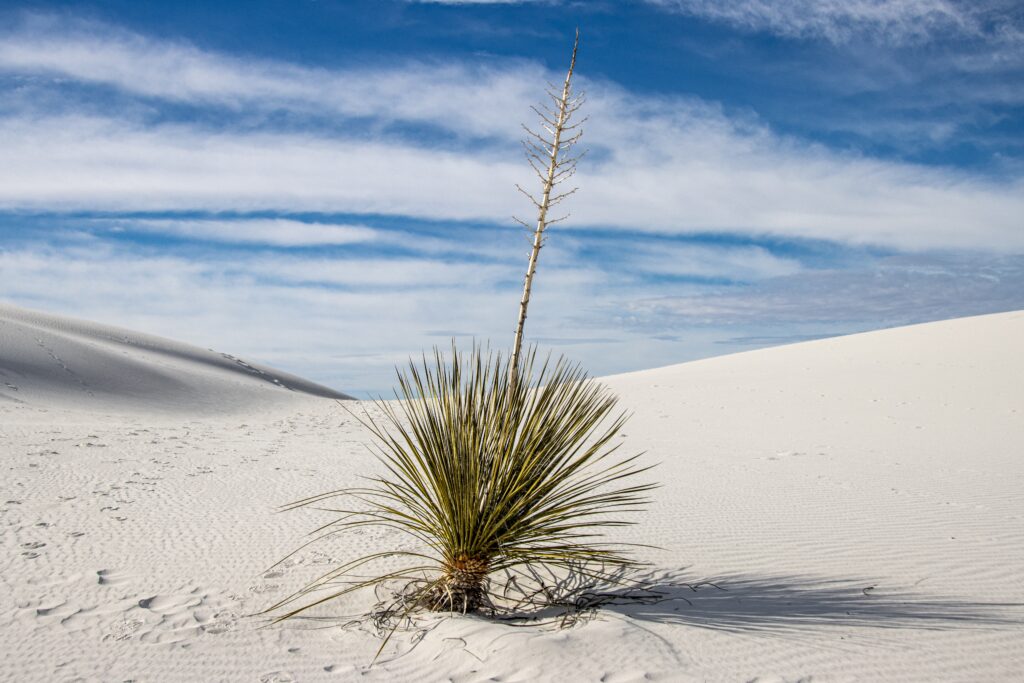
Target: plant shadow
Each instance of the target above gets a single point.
(782, 603)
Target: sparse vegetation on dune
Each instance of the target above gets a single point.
(496, 475)
(504, 471)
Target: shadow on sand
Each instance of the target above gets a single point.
(743, 603)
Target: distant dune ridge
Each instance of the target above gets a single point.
(857, 500)
(55, 360)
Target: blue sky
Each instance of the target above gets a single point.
(328, 186)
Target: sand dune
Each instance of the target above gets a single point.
(856, 501)
(48, 360)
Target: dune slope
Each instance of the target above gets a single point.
(855, 502)
(50, 360)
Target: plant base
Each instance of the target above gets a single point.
(462, 588)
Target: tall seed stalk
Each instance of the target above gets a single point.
(550, 157)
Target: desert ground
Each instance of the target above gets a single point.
(856, 501)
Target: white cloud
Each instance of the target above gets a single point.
(898, 290)
(473, 100)
(279, 232)
(836, 20)
(665, 164)
(347, 322)
(674, 173)
(379, 274)
(688, 260)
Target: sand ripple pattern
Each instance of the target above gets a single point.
(856, 503)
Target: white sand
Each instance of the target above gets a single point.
(858, 498)
(51, 361)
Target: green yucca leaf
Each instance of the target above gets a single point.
(490, 471)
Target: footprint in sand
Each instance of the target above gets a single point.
(277, 677)
(260, 588)
(177, 618)
(169, 604)
(218, 623)
(124, 630)
(175, 621)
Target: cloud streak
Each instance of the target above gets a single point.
(665, 164)
(329, 220)
(280, 232)
(839, 21)
(900, 290)
(686, 175)
(473, 100)
(347, 320)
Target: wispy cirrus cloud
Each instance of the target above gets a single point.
(281, 232)
(901, 290)
(331, 219)
(469, 99)
(681, 174)
(743, 263)
(660, 163)
(348, 319)
(921, 79)
(893, 21)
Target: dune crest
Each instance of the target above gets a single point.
(49, 360)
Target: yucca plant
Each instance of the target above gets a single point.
(501, 469)
(492, 473)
